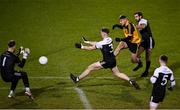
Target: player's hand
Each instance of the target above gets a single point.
(116, 26)
(85, 40)
(26, 53)
(78, 45)
(21, 51)
(118, 39)
(171, 88)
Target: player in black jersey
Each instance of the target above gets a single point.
(8, 60)
(147, 42)
(159, 80)
(108, 61)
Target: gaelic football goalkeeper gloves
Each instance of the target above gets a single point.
(20, 51)
(26, 53)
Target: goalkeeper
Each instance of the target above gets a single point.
(8, 60)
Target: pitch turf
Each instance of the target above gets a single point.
(51, 27)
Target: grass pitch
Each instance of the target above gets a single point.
(51, 27)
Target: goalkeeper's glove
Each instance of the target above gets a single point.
(26, 53)
(79, 45)
(117, 39)
(85, 40)
(20, 51)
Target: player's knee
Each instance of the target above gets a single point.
(90, 68)
(134, 60)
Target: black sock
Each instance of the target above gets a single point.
(148, 63)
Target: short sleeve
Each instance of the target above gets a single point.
(99, 45)
(143, 21)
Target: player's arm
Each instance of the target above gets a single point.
(22, 62)
(142, 24)
(117, 26)
(173, 82)
(92, 43)
(81, 46)
(153, 79)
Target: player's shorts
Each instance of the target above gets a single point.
(133, 47)
(157, 97)
(108, 64)
(147, 43)
(9, 77)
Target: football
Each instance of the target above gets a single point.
(43, 60)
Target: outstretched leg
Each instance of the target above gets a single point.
(89, 69)
(123, 76)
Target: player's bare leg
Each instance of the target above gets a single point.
(120, 75)
(137, 58)
(90, 68)
(148, 63)
(123, 76)
(121, 45)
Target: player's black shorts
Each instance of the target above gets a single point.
(133, 47)
(9, 77)
(108, 64)
(147, 43)
(157, 96)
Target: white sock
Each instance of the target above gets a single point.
(27, 89)
(11, 92)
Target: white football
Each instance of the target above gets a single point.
(43, 60)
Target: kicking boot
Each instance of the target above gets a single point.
(29, 94)
(145, 74)
(11, 94)
(134, 84)
(74, 78)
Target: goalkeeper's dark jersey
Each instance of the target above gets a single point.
(106, 47)
(146, 32)
(8, 60)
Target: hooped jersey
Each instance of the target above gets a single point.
(106, 46)
(161, 77)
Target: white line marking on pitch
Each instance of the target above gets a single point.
(58, 77)
(83, 98)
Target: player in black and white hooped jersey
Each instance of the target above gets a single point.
(108, 61)
(160, 79)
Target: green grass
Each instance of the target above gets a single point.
(51, 27)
